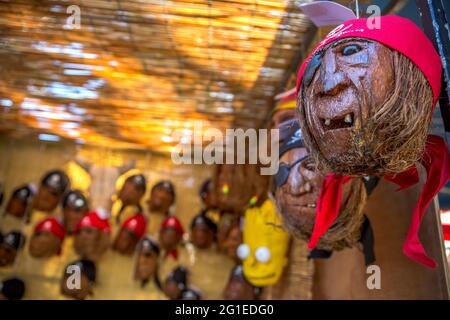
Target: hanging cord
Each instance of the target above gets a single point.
(357, 9)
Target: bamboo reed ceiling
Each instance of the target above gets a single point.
(135, 71)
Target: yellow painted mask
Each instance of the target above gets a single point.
(265, 245)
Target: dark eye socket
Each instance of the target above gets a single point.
(282, 175)
(350, 49)
(309, 165)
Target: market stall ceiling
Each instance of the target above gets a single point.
(136, 71)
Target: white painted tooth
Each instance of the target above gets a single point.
(307, 187)
(327, 122)
(348, 118)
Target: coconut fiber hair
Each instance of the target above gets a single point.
(392, 138)
(345, 231)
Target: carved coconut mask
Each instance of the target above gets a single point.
(361, 111)
(350, 132)
(298, 187)
(92, 236)
(364, 107)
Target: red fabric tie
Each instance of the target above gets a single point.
(328, 206)
(436, 161)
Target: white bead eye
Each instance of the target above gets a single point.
(243, 251)
(262, 254)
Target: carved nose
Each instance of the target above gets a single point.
(332, 84)
(332, 79)
(298, 185)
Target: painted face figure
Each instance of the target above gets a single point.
(147, 260)
(133, 190)
(298, 186)
(356, 111)
(170, 234)
(75, 207)
(51, 191)
(92, 236)
(132, 230)
(11, 244)
(162, 196)
(47, 238)
(265, 245)
(20, 199)
(87, 271)
(297, 197)
(203, 232)
(238, 288)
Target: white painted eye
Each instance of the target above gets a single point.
(243, 251)
(262, 254)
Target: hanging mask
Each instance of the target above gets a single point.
(366, 96)
(265, 245)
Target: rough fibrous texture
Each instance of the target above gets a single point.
(346, 230)
(392, 137)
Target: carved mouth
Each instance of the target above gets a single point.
(341, 122)
(271, 275)
(308, 205)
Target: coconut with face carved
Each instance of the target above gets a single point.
(298, 188)
(366, 96)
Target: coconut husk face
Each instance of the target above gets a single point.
(297, 199)
(345, 231)
(236, 184)
(364, 109)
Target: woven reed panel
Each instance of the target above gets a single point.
(137, 70)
